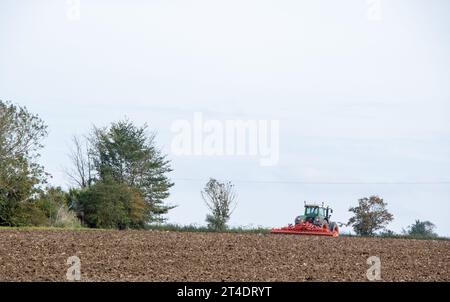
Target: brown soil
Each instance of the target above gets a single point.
(171, 256)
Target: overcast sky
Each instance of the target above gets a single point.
(360, 89)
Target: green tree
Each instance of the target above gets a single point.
(220, 198)
(369, 216)
(422, 229)
(29, 214)
(128, 155)
(21, 177)
(109, 204)
(50, 202)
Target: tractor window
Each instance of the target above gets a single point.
(322, 212)
(311, 211)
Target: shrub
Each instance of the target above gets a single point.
(66, 218)
(421, 229)
(109, 204)
(28, 213)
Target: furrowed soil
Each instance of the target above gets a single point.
(35, 255)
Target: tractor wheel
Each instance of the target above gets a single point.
(334, 227)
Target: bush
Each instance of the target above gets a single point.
(206, 229)
(423, 229)
(387, 233)
(66, 218)
(109, 204)
(53, 203)
(29, 213)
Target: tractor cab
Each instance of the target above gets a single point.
(314, 213)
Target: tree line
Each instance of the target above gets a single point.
(119, 175)
(120, 180)
(371, 216)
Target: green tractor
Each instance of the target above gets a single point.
(315, 214)
(315, 221)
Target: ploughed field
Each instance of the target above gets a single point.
(41, 255)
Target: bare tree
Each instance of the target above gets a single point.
(81, 172)
(220, 198)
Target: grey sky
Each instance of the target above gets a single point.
(358, 100)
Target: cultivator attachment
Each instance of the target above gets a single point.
(307, 228)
